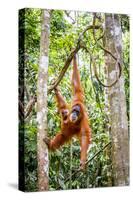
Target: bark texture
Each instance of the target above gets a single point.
(117, 102)
(42, 151)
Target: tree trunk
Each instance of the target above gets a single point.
(42, 151)
(117, 103)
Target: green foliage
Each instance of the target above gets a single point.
(126, 62)
(63, 37)
(30, 157)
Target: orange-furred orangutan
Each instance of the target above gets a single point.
(74, 120)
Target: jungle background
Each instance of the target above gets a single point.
(66, 28)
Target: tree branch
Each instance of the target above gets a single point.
(68, 15)
(106, 51)
(30, 106)
(90, 27)
(70, 57)
(21, 109)
(67, 63)
(25, 113)
(95, 69)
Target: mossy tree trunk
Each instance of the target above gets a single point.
(42, 151)
(117, 102)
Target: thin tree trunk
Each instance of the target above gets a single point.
(42, 151)
(117, 103)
